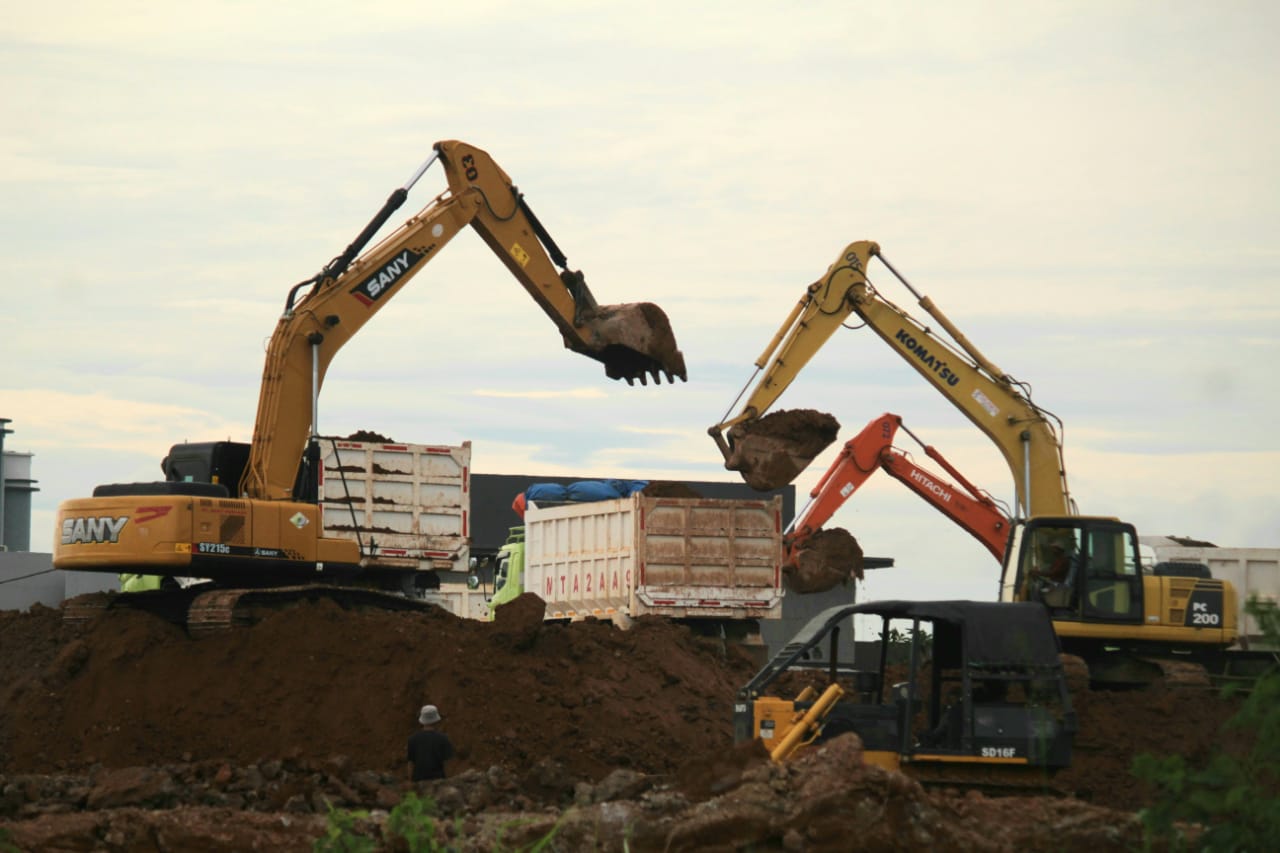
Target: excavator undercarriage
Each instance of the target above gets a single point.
(205, 609)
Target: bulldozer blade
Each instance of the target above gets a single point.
(634, 341)
(772, 451)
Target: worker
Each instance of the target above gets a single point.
(1057, 566)
(429, 748)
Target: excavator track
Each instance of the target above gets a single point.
(222, 609)
(205, 612)
(1119, 670)
(169, 604)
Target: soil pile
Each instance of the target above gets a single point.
(827, 559)
(669, 489)
(127, 729)
(316, 681)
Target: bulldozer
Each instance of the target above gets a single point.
(962, 693)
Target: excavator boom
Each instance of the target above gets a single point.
(986, 395)
(814, 556)
(633, 341)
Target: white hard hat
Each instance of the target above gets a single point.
(428, 715)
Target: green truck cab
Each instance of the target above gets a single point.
(508, 574)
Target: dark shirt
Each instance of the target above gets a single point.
(428, 751)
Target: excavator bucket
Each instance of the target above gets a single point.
(823, 561)
(634, 341)
(772, 451)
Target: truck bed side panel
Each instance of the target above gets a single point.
(678, 557)
(407, 504)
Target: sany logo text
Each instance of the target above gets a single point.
(93, 529)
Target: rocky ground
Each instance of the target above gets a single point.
(125, 734)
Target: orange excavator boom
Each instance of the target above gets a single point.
(872, 450)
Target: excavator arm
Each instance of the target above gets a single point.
(633, 341)
(990, 398)
(976, 512)
(812, 558)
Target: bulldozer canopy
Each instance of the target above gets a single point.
(994, 634)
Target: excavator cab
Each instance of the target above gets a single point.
(1082, 568)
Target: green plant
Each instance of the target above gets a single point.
(537, 846)
(414, 820)
(1233, 798)
(340, 835)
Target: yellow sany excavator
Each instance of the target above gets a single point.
(246, 515)
(1129, 626)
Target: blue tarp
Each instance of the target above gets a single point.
(584, 490)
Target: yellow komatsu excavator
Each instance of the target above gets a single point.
(246, 515)
(1128, 626)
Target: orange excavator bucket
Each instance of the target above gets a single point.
(771, 451)
(633, 340)
(822, 560)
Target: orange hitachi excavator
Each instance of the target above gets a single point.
(811, 556)
(246, 515)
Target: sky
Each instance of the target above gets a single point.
(1089, 190)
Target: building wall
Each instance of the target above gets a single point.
(15, 468)
(28, 577)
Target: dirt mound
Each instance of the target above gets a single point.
(819, 802)
(126, 728)
(370, 436)
(827, 559)
(668, 489)
(316, 681)
(772, 451)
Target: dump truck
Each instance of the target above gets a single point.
(715, 564)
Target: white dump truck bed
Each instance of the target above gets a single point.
(409, 505)
(670, 556)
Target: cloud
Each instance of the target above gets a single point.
(1088, 193)
(563, 394)
(55, 419)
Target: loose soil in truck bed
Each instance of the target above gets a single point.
(126, 728)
